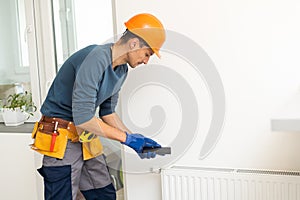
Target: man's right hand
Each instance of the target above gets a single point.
(137, 142)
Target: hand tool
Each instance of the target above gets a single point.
(86, 136)
(53, 139)
(160, 151)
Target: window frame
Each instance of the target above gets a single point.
(33, 55)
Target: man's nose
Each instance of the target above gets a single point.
(145, 61)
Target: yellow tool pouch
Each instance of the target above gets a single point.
(92, 149)
(44, 140)
(51, 136)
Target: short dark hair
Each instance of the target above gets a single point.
(127, 35)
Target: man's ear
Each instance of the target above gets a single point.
(134, 43)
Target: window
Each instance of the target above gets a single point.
(18, 49)
(14, 64)
(80, 23)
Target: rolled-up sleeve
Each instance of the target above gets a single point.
(85, 89)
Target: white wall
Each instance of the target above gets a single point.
(255, 46)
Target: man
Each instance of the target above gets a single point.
(92, 78)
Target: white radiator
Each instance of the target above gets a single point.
(229, 184)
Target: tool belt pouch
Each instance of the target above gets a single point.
(47, 141)
(92, 149)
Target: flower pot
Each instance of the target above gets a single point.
(14, 117)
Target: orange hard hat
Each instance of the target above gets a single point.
(149, 28)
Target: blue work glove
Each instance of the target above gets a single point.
(137, 142)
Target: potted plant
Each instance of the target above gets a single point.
(18, 108)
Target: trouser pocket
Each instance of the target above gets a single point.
(57, 182)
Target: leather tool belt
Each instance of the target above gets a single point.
(51, 136)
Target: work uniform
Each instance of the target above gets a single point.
(85, 82)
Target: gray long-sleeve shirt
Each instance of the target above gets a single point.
(85, 81)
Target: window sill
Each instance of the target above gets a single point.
(24, 128)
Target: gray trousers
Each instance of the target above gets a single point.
(85, 175)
